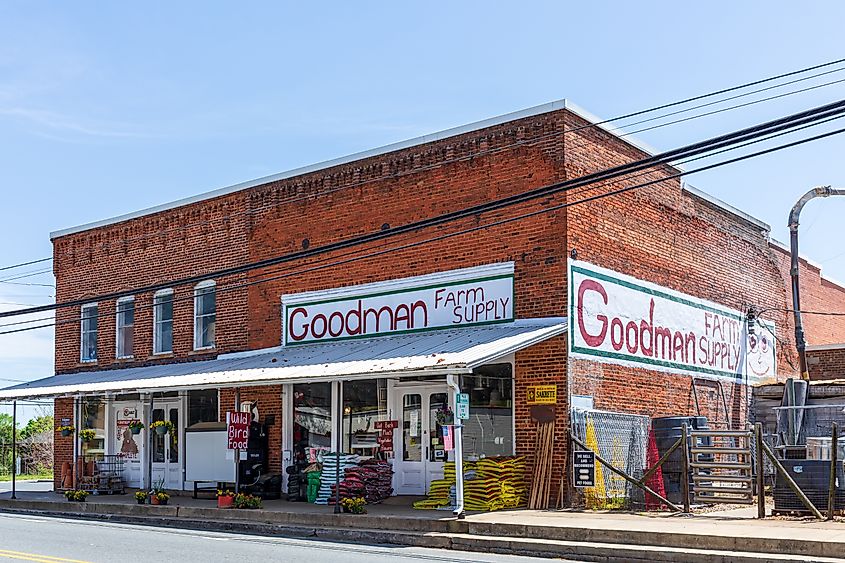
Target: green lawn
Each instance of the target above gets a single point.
(27, 477)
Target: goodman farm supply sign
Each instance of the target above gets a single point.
(454, 299)
(619, 319)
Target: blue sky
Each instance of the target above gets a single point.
(107, 108)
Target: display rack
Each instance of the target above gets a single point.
(103, 474)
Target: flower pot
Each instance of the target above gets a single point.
(65, 433)
(154, 500)
(225, 501)
(135, 430)
(161, 429)
(141, 500)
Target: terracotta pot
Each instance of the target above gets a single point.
(154, 499)
(225, 501)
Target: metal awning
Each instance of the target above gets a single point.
(424, 353)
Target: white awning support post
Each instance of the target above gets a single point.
(451, 380)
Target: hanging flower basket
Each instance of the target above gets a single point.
(162, 426)
(65, 430)
(87, 435)
(135, 427)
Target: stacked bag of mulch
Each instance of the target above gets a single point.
(371, 480)
(491, 483)
(496, 483)
(441, 492)
(329, 474)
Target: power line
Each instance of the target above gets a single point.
(26, 275)
(631, 177)
(536, 139)
(785, 123)
(13, 266)
(500, 222)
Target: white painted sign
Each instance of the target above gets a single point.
(453, 299)
(615, 318)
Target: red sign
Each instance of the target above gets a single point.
(237, 430)
(386, 424)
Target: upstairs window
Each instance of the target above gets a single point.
(205, 315)
(125, 326)
(89, 333)
(163, 322)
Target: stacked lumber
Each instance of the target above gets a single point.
(541, 484)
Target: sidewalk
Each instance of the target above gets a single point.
(733, 535)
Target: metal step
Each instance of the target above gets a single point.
(714, 500)
(722, 478)
(744, 491)
(717, 450)
(720, 465)
(727, 433)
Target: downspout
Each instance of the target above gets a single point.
(794, 214)
(452, 382)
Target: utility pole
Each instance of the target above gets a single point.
(800, 343)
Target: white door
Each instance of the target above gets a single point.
(420, 454)
(166, 450)
(127, 445)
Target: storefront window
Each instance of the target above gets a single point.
(412, 427)
(312, 420)
(202, 406)
(94, 417)
(364, 403)
(489, 430)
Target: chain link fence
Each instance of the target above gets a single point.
(622, 440)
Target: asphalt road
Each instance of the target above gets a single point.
(60, 540)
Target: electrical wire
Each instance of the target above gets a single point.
(533, 140)
(781, 124)
(638, 175)
(13, 266)
(502, 221)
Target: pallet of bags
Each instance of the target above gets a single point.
(334, 468)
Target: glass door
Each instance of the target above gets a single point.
(165, 451)
(420, 454)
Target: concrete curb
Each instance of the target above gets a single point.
(545, 541)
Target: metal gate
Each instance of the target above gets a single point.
(721, 466)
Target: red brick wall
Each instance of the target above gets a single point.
(825, 365)
(660, 234)
(269, 404)
(817, 294)
(62, 446)
(670, 237)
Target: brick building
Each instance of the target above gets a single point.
(667, 262)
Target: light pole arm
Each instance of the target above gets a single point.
(794, 215)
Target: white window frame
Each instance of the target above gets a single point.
(156, 320)
(117, 304)
(82, 316)
(200, 286)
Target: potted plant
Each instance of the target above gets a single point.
(162, 426)
(87, 435)
(225, 499)
(354, 505)
(159, 498)
(65, 430)
(135, 426)
(141, 497)
(246, 501)
(76, 495)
